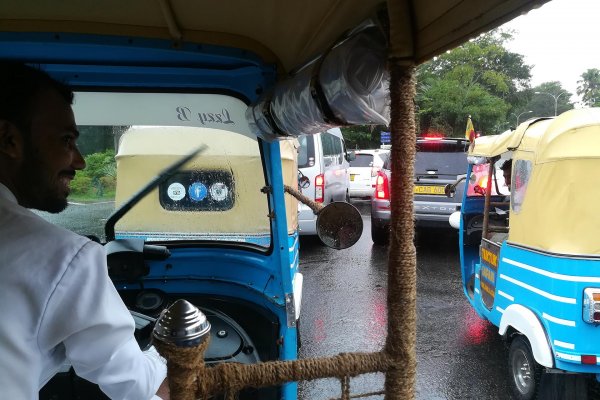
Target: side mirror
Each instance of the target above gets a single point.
(303, 182)
(450, 189)
(350, 156)
(339, 225)
(454, 220)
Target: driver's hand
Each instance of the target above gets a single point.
(163, 390)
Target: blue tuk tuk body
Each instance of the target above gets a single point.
(528, 261)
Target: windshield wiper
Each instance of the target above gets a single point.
(109, 228)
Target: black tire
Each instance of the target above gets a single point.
(347, 200)
(380, 234)
(524, 373)
(298, 337)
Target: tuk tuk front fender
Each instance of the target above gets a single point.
(527, 323)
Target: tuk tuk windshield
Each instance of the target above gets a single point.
(479, 181)
(127, 139)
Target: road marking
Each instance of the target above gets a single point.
(89, 204)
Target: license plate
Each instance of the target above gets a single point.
(352, 177)
(437, 190)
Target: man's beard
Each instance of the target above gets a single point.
(45, 193)
(38, 189)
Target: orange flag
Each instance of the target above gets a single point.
(470, 131)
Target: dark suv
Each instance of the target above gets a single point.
(439, 161)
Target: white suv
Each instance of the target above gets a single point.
(322, 158)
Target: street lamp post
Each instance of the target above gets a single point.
(519, 116)
(555, 97)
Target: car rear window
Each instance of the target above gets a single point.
(362, 160)
(306, 152)
(444, 157)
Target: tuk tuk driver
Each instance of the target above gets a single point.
(57, 302)
(507, 171)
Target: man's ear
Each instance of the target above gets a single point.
(11, 140)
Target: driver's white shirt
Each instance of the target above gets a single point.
(57, 305)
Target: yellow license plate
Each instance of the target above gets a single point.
(352, 177)
(420, 189)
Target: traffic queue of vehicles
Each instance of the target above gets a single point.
(439, 161)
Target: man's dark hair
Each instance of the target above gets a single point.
(19, 86)
(506, 165)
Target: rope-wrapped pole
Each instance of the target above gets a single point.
(402, 277)
(231, 377)
(183, 367)
(316, 207)
(400, 344)
(181, 335)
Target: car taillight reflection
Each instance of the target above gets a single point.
(319, 188)
(480, 181)
(382, 188)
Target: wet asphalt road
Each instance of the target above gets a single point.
(459, 356)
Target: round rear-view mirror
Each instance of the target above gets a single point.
(449, 190)
(339, 225)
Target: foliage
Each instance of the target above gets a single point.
(481, 78)
(362, 137)
(545, 97)
(589, 87)
(81, 184)
(100, 164)
(98, 177)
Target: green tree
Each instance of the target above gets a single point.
(545, 97)
(362, 137)
(589, 87)
(98, 176)
(480, 78)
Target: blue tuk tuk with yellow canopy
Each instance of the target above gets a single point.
(529, 250)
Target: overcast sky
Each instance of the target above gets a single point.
(561, 40)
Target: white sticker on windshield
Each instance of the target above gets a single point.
(176, 191)
(219, 191)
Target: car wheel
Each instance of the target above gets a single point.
(347, 197)
(379, 233)
(524, 373)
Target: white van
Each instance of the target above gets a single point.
(323, 159)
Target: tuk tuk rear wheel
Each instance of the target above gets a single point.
(525, 373)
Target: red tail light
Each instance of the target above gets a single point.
(319, 188)
(590, 360)
(382, 187)
(483, 182)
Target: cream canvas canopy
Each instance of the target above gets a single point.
(558, 213)
(288, 32)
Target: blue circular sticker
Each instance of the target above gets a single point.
(197, 191)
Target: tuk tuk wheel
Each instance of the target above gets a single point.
(525, 373)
